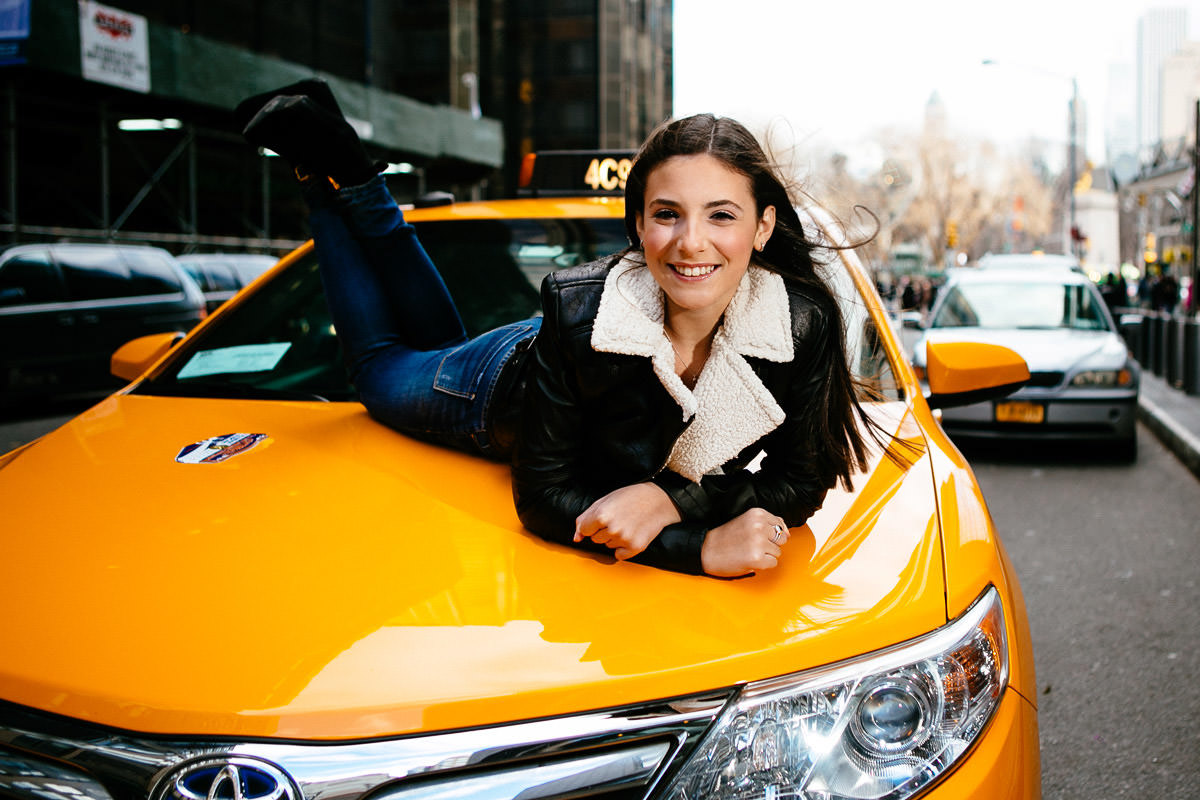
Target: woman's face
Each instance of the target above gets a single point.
(699, 228)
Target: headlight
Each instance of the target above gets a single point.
(1103, 378)
(881, 726)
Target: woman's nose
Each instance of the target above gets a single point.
(690, 238)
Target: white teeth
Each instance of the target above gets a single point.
(695, 272)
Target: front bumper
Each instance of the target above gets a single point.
(1082, 418)
(1005, 763)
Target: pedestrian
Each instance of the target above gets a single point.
(1113, 292)
(1164, 292)
(631, 408)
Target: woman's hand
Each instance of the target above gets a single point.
(750, 542)
(627, 519)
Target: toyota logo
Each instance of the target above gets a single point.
(228, 778)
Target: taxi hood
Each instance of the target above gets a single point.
(332, 579)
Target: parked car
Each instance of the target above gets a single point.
(221, 275)
(1084, 382)
(1035, 261)
(260, 592)
(64, 309)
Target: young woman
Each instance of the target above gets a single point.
(631, 409)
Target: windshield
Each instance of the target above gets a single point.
(279, 342)
(1032, 304)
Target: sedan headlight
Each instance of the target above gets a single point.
(1102, 378)
(881, 726)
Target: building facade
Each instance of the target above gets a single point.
(451, 93)
(1161, 32)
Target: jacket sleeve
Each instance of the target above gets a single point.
(551, 485)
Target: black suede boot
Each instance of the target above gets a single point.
(303, 124)
(315, 88)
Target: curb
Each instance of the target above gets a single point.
(1177, 439)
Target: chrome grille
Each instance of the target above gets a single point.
(616, 754)
(1045, 379)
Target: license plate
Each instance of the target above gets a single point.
(1020, 412)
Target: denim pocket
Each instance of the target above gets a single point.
(473, 367)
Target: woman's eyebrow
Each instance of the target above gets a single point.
(663, 201)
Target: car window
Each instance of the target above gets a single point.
(247, 268)
(1020, 305)
(279, 343)
(221, 277)
(30, 278)
(151, 272)
(196, 272)
(866, 354)
(93, 273)
(517, 253)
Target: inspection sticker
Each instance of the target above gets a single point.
(219, 448)
(237, 359)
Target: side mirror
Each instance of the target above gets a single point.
(135, 357)
(961, 373)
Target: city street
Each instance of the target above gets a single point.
(1107, 556)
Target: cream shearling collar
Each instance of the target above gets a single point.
(730, 408)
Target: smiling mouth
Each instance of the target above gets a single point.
(694, 270)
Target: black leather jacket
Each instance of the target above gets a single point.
(592, 422)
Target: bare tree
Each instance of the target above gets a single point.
(943, 192)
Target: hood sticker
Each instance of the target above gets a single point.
(219, 448)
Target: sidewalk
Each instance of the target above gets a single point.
(1173, 416)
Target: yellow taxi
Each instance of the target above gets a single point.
(227, 582)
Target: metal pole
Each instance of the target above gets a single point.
(264, 167)
(104, 173)
(13, 176)
(1195, 289)
(193, 188)
(1072, 157)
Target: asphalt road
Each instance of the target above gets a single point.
(1108, 556)
(26, 423)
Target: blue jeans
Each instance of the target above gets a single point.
(406, 348)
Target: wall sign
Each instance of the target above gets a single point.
(113, 45)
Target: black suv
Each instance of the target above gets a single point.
(64, 309)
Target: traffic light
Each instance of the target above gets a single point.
(951, 233)
(1149, 252)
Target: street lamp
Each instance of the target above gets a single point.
(1072, 145)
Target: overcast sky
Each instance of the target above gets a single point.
(838, 70)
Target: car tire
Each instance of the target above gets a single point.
(1125, 450)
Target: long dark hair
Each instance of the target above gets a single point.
(838, 443)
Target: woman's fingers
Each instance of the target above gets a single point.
(595, 531)
(776, 534)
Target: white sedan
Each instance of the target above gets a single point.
(1083, 382)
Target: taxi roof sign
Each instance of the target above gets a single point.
(563, 173)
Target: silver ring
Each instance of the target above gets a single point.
(775, 535)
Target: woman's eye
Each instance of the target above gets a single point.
(723, 216)
(665, 214)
